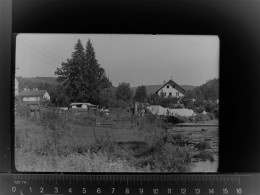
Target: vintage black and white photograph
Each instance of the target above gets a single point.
(116, 103)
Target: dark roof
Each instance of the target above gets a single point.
(34, 93)
(171, 82)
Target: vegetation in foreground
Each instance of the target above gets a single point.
(74, 143)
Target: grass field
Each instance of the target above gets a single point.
(83, 142)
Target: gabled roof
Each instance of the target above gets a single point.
(171, 82)
(33, 93)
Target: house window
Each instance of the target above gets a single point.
(168, 86)
(164, 93)
(177, 94)
(170, 93)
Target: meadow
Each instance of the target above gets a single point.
(55, 141)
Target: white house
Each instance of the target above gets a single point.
(34, 95)
(16, 87)
(171, 89)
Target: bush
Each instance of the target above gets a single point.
(177, 139)
(202, 117)
(199, 109)
(172, 158)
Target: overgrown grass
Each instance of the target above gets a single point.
(57, 143)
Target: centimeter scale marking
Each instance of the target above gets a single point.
(59, 184)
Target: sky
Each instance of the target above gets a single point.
(135, 59)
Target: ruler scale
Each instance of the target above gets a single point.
(208, 184)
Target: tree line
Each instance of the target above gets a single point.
(207, 91)
(82, 79)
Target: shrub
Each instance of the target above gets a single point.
(154, 135)
(176, 139)
(172, 158)
(202, 117)
(199, 109)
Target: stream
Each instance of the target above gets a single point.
(194, 135)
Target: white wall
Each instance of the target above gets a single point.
(47, 96)
(168, 90)
(33, 99)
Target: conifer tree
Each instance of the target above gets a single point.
(96, 79)
(81, 77)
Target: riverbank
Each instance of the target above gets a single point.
(62, 144)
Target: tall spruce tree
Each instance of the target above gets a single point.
(96, 79)
(81, 77)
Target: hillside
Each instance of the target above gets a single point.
(188, 87)
(49, 80)
(209, 90)
(23, 81)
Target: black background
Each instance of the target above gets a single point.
(235, 22)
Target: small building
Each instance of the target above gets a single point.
(171, 89)
(34, 95)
